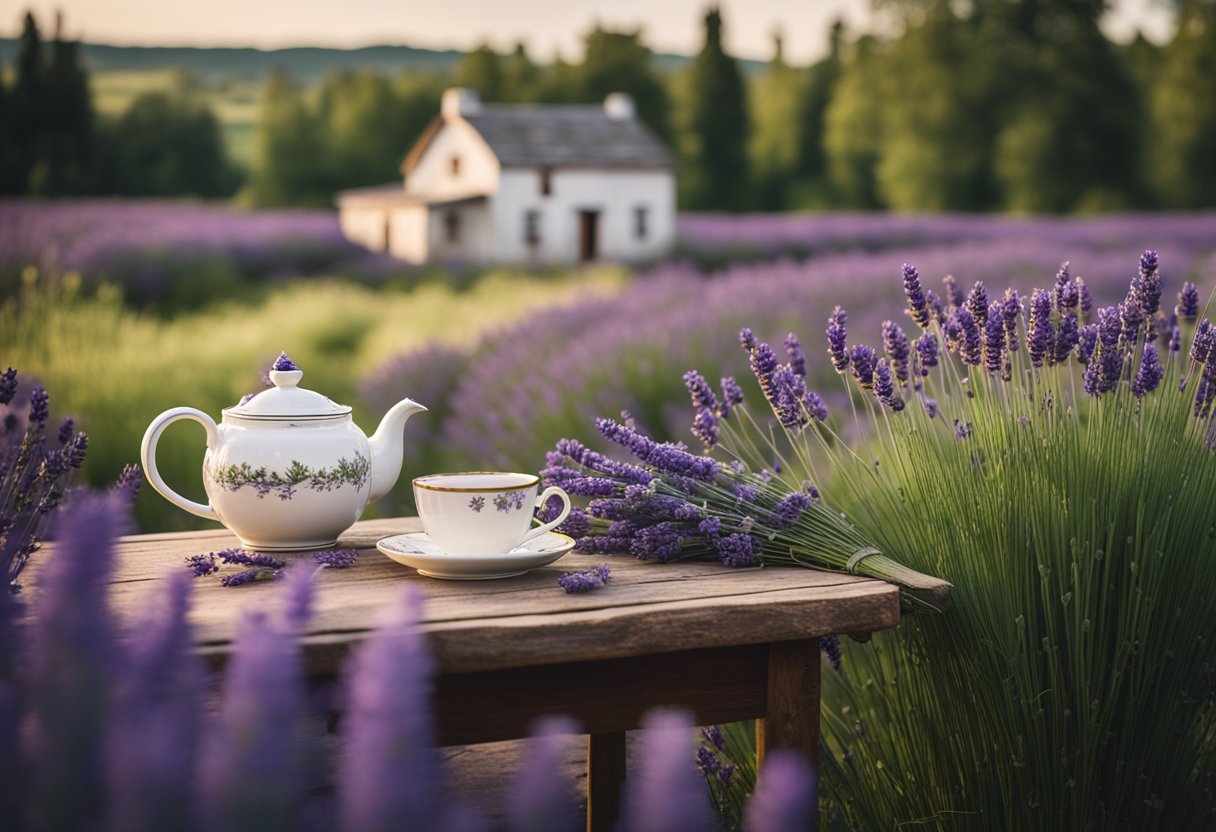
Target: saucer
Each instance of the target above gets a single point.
(418, 551)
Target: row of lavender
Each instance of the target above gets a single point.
(103, 732)
(501, 403)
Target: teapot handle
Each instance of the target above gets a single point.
(148, 455)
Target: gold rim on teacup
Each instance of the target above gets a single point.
(418, 482)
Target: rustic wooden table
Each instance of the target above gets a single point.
(728, 644)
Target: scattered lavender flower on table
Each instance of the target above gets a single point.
(786, 795)
(249, 576)
(202, 565)
(918, 307)
(665, 793)
(283, 363)
(585, 580)
(1188, 302)
(240, 557)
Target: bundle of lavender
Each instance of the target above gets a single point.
(674, 505)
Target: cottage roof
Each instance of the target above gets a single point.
(558, 135)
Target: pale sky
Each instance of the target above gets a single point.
(545, 25)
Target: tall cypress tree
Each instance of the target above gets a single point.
(66, 154)
(717, 170)
(26, 107)
(1182, 168)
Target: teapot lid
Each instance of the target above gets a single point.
(286, 399)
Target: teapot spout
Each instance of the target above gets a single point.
(387, 447)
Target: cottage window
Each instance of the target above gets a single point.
(451, 227)
(454, 162)
(641, 221)
(532, 228)
(546, 181)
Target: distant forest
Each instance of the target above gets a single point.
(1008, 105)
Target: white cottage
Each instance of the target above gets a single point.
(497, 183)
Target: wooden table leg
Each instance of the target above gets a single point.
(605, 780)
(792, 713)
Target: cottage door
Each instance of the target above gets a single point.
(588, 235)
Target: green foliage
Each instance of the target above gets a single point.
(714, 175)
(620, 62)
(853, 127)
(1182, 167)
(290, 163)
(118, 367)
(776, 100)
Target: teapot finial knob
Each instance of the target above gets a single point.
(284, 372)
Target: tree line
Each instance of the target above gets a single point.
(1014, 105)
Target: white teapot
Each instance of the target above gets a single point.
(287, 468)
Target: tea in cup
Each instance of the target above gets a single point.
(484, 512)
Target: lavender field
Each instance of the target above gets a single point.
(508, 362)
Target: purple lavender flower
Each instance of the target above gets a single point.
(931, 408)
(283, 363)
(65, 430)
(1205, 391)
(936, 305)
(577, 523)
(72, 667)
(713, 735)
(1087, 340)
(1187, 308)
(747, 338)
(977, 303)
(664, 456)
(926, 351)
(666, 793)
(736, 550)
(336, 558)
(785, 797)
(961, 429)
(1012, 313)
(786, 391)
(732, 395)
(1150, 372)
(1106, 366)
(1176, 339)
(76, 450)
(662, 542)
(830, 647)
(1039, 335)
(994, 337)
(202, 565)
(389, 770)
(814, 405)
(585, 580)
(838, 339)
(249, 576)
(156, 718)
(793, 348)
(1131, 313)
(862, 359)
(968, 337)
(1087, 297)
(702, 394)
(8, 385)
(40, 409)
(240, 557)
(954, 292)
(710, 527)
(1149, 288)
(918, 307)
(789, 509)
(598, 462)
(884, 387)
(541, 797)
(1067, 295)
(1204, 342)
(705, 427)
(810, 489)
(764, 364)
(1067, 338)
(895, 344)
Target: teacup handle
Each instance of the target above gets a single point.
(148, 455)
(551, 491)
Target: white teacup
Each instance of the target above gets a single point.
(484, 512)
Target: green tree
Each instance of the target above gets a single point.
(27, 106)
(620, 62)
(483, 70)
(290, 166)
(66, 160)
(776, 100)
(1182, 168)
(365, 128)
(823, 78)
(168, 143)
(716, 171)
(522, 76)
(853, 127)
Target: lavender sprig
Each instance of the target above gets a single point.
(838, 339)
(585, 580)
(918, 308)
(336, 558)
(895, 345)
(977, 303)
(283, 363)
(1188, 302)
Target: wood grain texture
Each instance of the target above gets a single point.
(606, 761)
(516, 622)
(791, 719)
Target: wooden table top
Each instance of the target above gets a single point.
(523, 621)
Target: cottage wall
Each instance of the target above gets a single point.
(615, 194)
(477, 172)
